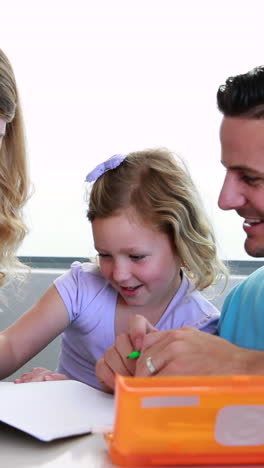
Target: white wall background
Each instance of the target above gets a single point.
(99, 77)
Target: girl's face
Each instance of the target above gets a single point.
(138, 260)
(2, 130)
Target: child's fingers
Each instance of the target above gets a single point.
(105, 375)
(115, 362)
(28, 377)
(116, 359)
(54, 376)
(124, 347)
(139, 326)
(37, 374)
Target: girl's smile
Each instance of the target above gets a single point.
(130, 291)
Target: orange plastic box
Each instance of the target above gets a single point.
(188, 421)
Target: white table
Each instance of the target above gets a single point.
(19, 450)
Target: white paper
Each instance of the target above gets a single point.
(51, 410)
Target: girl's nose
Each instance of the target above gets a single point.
(120, 272)
(232, 195)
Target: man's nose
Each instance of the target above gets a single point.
(232, 195)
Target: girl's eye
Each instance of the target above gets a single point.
(103, 255)
(137, 257)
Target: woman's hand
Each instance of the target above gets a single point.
(40, 374)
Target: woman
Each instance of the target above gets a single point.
(14, 182)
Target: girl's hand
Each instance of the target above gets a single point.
(115, 361)
(40, 374)
(138, 327)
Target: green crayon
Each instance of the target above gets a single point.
(134, 355)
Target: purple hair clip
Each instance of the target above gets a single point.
(107, 165)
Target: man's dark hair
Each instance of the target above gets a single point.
(243, 95)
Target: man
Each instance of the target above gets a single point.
(241, 100)
(238, 348)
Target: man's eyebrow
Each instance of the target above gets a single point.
(243, 168)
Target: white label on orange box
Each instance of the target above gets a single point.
(238, 425)
(169, 401)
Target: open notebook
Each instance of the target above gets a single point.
(51, 410)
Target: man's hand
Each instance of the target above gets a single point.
(40, 374)
(188, 351)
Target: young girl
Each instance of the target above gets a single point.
(156, 250)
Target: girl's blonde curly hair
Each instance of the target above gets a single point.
(160, 188)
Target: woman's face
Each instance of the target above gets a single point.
(2, 130)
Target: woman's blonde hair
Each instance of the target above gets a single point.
(14, 184)
(160, 189)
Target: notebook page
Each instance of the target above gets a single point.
(55, 409)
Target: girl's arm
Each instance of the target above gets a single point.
(32, 332)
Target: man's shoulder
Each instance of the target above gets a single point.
(257, 275)
(254, 280)
(248, 289)
(242, 313)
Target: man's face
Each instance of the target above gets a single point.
(242, 142)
